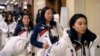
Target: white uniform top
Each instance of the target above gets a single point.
(64, 47)
(7, 30)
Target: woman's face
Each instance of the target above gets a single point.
(48, 15)
(80, 25)
(9, 17)
(26, 20)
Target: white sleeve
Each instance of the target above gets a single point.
(59, 30)
(12, 27)
(59, 48)
(93, 47)
(4, 27)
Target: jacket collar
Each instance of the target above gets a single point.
(44, 26)
(85, 38)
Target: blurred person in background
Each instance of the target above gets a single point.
(24, 29)
(7, 26)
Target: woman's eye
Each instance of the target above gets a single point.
(80, 23)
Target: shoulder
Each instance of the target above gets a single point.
(90, 35)
(64, 34)
(19, 26)
(65, 37)
(39, 26)
(13, 23)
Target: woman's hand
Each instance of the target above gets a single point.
(46, 45)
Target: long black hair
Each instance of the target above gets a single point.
(6, 19)
(38, 16)
(88, 35)
(52, 22)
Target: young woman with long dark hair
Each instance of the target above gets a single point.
(7, 26)
(46, 32)
(76, 41)
(24, 29)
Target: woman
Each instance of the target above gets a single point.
(80, 35)
(24, 29)
(7, 27)
(77, 40)
(46, 32)
(25, 24)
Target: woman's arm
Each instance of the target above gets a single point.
(33, 39)
(17, 30)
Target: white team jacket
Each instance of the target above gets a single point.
(29, 47)
(7, 29)
(64, 47)
(14, 46)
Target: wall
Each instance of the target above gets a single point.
(92, 12)
(79, 6)
(70, 5)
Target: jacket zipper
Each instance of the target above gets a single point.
(81, 49)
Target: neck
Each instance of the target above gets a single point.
(25, 25)
(8, 22)
(79, 36)
(48, 23)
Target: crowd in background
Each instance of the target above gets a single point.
(46, 34)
